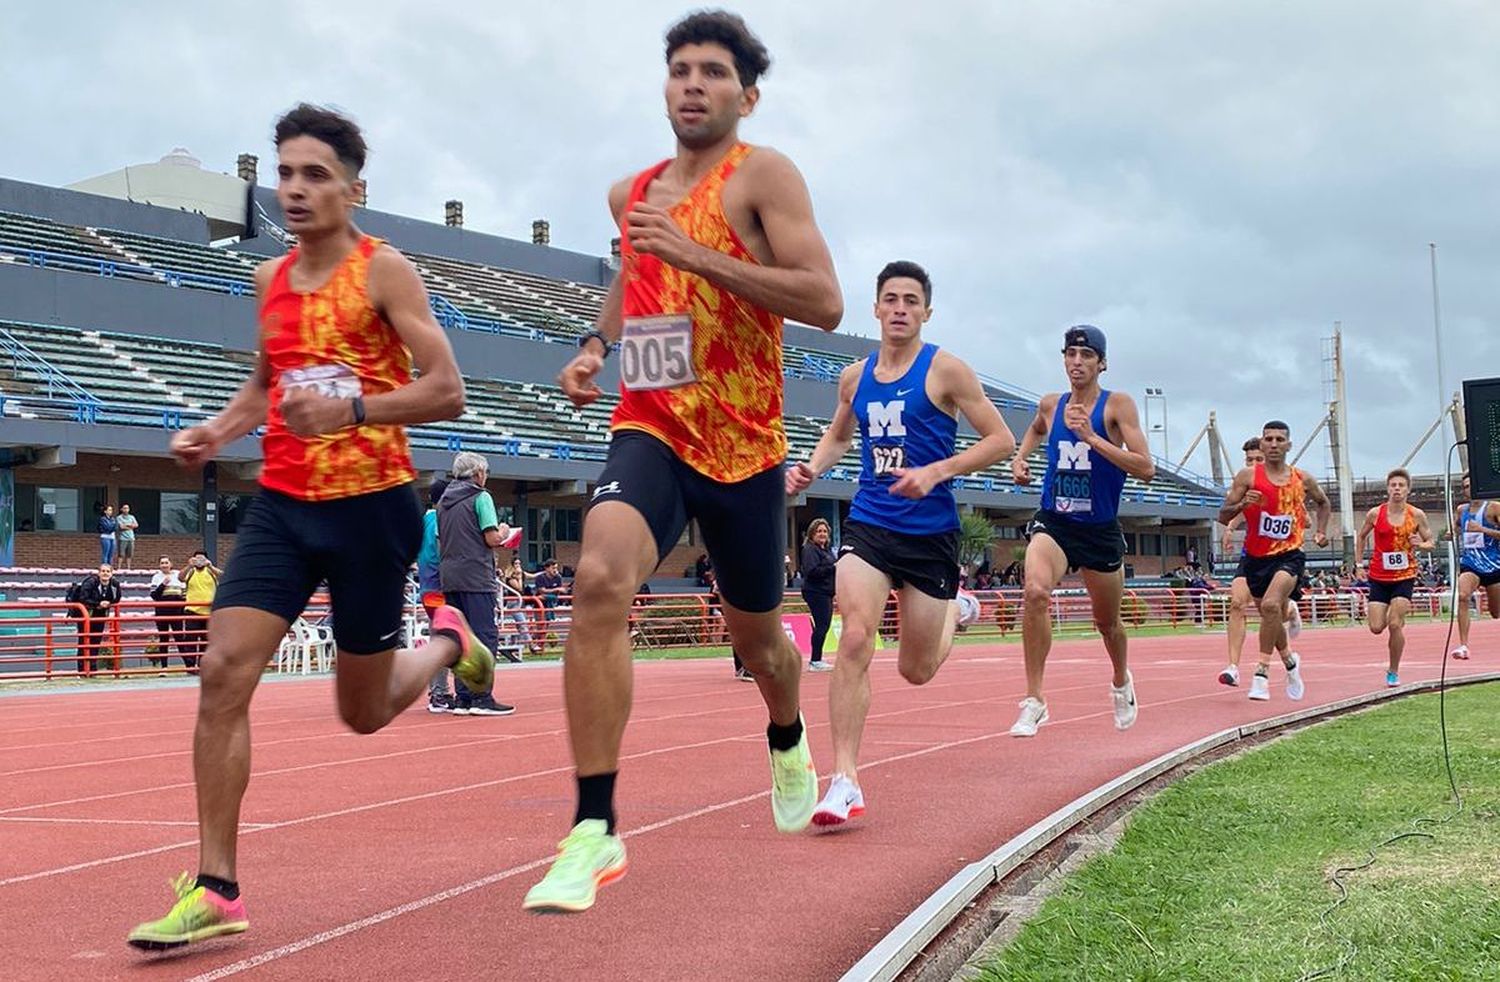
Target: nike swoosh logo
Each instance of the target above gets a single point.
(902, 392)
(391, 636)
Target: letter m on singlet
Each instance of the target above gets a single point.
(885, 418)
(1073, 456)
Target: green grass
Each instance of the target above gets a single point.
(1222, 876)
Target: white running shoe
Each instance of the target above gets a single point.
(819, 666)
(1461, 652)
(1230, 675)
(1033, 714)
(968, 607)
(1125, 707)
(843, 801)
(1295, 689)
(1294, 626)
(1260, 688)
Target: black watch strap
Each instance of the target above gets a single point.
(603, 341)
(359, 410)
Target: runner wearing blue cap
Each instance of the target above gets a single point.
(1094, 440)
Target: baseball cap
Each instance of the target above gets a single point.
(1084, 336)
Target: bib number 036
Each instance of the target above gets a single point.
(657, 352)
(1277, 527)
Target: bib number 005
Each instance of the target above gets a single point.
(657, 352)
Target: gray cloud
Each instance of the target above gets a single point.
(1213, 184)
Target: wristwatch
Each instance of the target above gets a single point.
(358, 404)
(589, 336)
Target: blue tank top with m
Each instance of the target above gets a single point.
(899, 427)
(1080, 484)
(1480, 552)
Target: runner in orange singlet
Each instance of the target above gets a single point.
(718, 244)
(1273, 497)
(1400, 529)
(1239, 590)
(343, 319)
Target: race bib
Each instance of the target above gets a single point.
(1473, 541)
(657, 352)
(887, 459)
(1073, 493)
(1395, 562)
(1276, 527)
(334, 381)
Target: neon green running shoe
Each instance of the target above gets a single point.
(794, 786)
(476, 667)
(587, 859)
(199, 914)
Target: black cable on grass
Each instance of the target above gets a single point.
(1351, 950)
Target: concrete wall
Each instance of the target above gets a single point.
(78, 208)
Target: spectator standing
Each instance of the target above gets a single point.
(169, 592)
(125, 526)
(701, 568)
(107, 528)
(99, 593)
(201, 583)
(514, 602)
(469, 532)
(818, 564)
(430, 592)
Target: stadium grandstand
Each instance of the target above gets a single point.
(127, 312)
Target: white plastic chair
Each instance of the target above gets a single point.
(307, 647)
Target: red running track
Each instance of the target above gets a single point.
(404, 855)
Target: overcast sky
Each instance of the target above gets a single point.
(1214, 184)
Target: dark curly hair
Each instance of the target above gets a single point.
(338, 131)
(751, 59)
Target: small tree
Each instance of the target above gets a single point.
(975, 534)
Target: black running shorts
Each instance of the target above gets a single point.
(743, 523)
(362, 546)
(1099, 546)
(927, 562)
(1382, 592)
(1259, 571)
(1486, 580)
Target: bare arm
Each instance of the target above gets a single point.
(245, 410)
(577, 377)
(1135, 458)
(836, 439)
(397, 292)
(1324, 508)
(958, 382)
(1364, 533)
(1425, 541)
(1239, 496)
(800, 285)
(1032, 438)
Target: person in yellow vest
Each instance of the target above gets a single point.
(202, 581)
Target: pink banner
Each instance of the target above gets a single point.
(798, 628)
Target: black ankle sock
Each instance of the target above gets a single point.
(228, 889)
(784, 737)
(458, 642)
(596, 798)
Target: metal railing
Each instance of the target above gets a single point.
(54, 640)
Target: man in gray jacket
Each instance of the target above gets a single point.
(469, 532)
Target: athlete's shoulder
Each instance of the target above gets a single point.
(770, 169)
(619, 195)
(850, 375)
(265, 272)
(387, 263)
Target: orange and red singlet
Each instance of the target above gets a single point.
(332, 339)
(1279, 523)
(1394, 558)
(700, 368)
